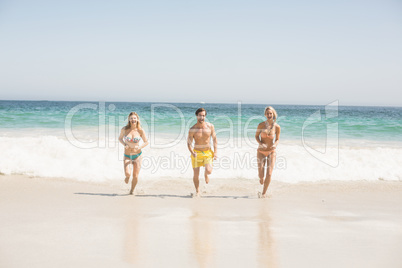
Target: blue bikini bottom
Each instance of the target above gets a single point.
(134, 156)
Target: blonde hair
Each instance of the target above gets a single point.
(273, 111)
(129, 123)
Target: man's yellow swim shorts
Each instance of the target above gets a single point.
(202, 158)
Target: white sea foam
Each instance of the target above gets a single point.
(44, 155)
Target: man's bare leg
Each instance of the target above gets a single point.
(196, 180)
(208, 171)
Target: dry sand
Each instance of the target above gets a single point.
(59, 223)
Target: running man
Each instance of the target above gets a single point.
(201, 154)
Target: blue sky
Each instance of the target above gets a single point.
(271, 52)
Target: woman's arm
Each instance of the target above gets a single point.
(121, 138)
(278, 133)
(144, 138)
(257, 134)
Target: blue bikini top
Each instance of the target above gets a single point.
(135, 140)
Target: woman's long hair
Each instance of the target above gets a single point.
(128, 126)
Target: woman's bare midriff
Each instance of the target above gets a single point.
(131, 151)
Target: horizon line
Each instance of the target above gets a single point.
(202, 102)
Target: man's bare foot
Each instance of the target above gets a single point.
(126, 180)
(204, 189)
(131, 192)
(195, 195)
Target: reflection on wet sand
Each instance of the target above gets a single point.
(132, 241)
(201, 234)
(235, 236)
(203, 241)
(267, 255)
(158, 237)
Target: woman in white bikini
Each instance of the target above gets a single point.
(267, 136)
(130, 137)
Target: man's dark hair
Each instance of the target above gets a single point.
(200, 110)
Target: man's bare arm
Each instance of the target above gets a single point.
(215, 141)
(190, 142)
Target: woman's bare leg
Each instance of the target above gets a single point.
(261, 159)
(270, 169)
(136, 172)
(127, 170)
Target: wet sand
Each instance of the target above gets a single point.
(51, 222)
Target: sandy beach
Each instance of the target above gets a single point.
(52, 222)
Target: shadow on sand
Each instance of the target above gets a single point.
(102, 194)
(137, 195)
(166, 195)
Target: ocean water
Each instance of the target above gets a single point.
(78, 140)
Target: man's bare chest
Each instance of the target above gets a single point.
(202, 133)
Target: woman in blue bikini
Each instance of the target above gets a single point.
(130, 137)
